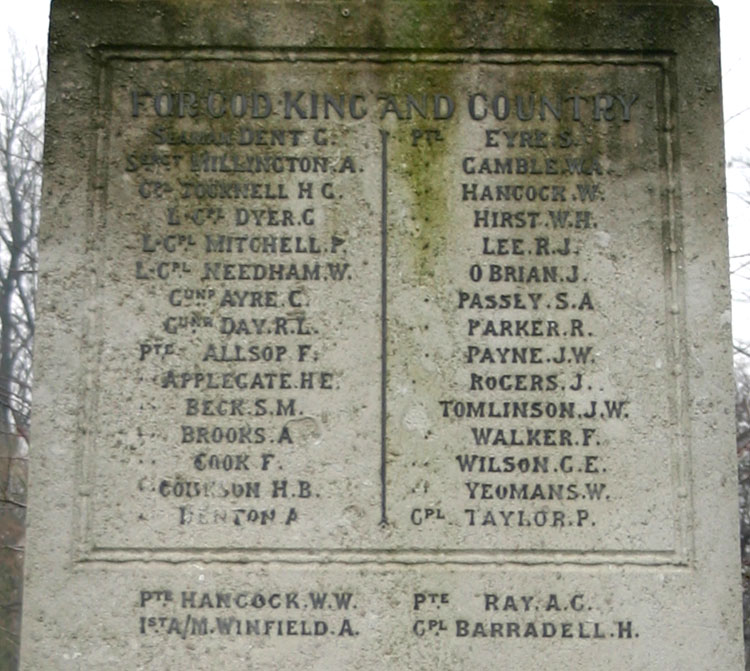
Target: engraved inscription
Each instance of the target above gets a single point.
(376, 314)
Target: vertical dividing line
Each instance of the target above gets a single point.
(383, 320)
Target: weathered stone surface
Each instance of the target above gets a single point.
(383, 336)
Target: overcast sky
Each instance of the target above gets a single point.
(29, 21)
(735, 57)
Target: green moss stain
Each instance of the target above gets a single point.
(423, 24)
(402, 24)
(427, 183)
(423, 170)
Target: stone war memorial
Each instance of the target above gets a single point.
(383, 336)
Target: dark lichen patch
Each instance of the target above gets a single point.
(375, 32)
(550, 22)
(204, 22)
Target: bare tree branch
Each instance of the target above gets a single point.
(21, 124)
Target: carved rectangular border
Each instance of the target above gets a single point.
(679, 556)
